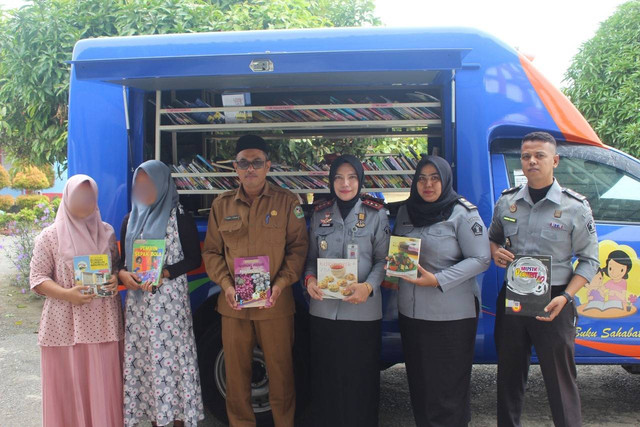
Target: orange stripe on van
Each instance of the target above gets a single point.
(626, 350)
(571, 123)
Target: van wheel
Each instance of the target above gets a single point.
(213, 378)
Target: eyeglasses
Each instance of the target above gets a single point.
(243, 164)
(423, 179)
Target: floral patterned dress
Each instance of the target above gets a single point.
(161, 378)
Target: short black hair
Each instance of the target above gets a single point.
(540, 136)
(620, 257)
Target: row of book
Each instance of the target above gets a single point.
(285, 111)
(316, 179)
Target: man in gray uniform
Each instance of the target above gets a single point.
(542, 218)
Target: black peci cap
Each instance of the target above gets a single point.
(248, 142)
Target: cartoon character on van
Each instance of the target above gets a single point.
(613, 291)
(596, 291)
(617, 269)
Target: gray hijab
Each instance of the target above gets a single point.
(150, 222)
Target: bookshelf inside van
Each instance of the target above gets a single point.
(195, 130)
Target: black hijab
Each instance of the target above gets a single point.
(346, 206)
(424, 213)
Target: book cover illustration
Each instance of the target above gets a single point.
(404, 254)
(335, 275)
(528, 281)
(252, 281)
(148, 260)
(93, 271)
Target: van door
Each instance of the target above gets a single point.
(608, 330)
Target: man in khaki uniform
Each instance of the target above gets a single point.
(258, 218)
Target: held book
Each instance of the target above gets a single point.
(404, 254)
(252, 281)
(335, 275)
(528, 281)
(93, 271)
(148, 260)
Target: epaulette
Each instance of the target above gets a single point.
(372, 202)
(322, 204)
(467, 204)
(512, 189)
(228, 193)
(574, 194)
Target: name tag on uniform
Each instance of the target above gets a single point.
(352, 251)
(232, 218)
(556, 225)
(509, 219)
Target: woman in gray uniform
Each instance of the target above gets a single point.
(345, 334)
(439, 309)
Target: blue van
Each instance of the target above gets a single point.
(472, 96)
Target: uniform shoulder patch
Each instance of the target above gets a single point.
(467, 204)
(298, 212)
(512, 189)
(574, 194)
(322, 204)
(372, 202)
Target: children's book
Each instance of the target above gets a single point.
(404, 254)
(252, 281)
(148, 260)
(528, 280)
(335, 275)
(93, 271)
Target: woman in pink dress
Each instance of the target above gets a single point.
(80, 335)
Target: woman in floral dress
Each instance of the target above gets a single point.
(161, 379)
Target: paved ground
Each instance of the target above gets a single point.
(611, 396)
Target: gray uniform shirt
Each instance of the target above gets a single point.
(560, 225)
(373, 245)
(456, 251)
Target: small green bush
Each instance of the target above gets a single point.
(29, 201)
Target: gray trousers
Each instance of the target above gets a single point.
(554, 344)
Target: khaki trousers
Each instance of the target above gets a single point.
(275, 338)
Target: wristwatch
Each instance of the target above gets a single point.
(369, 287)
(567, 296)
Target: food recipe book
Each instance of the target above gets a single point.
(93, 271)
(336, 275)
(404, 254)
(528, 281)
(252, 281)
(148, 260)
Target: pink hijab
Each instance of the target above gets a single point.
(87, 236)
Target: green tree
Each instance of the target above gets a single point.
(30, 178)
(37, 40)
(604, 79)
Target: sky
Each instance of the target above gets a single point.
(550, 30)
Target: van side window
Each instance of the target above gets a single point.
(613, 194)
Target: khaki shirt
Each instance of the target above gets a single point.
(273, 225)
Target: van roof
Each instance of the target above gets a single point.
(398, 55)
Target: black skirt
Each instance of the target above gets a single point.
(439, 357)
(345, 372)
